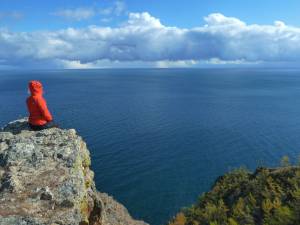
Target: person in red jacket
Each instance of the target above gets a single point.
(39, 116)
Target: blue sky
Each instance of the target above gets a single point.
(137, 33)
(37, 15)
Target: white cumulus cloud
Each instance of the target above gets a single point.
(144, 40)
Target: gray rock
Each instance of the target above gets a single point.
(46, 194)
(45, 179)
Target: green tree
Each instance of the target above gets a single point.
(285, 161)
(231, 221)
(266, 197)
(282, 216)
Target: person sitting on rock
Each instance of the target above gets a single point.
(39, 116)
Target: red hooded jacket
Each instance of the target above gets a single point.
(37, 106)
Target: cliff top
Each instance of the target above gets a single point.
(45, 179)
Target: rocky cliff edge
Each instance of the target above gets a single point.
(45, 178)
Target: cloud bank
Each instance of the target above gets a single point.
(144, 41)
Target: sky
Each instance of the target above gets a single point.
(74, 34)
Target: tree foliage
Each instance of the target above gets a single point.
(266, 197)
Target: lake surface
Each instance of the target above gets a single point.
(160, 137)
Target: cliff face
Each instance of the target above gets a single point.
(45, 178)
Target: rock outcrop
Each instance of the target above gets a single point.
(45, 178)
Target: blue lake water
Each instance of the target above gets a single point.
(160, 137)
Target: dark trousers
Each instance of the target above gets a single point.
(50, 124)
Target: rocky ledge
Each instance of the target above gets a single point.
(45, 178)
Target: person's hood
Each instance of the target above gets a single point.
(35, 87)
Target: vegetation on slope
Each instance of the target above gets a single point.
(266, 197)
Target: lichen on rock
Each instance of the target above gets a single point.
(45, 178)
